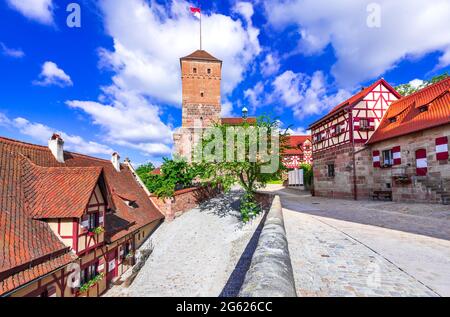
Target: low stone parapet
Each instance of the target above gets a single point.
(270, 273)
(184, 200)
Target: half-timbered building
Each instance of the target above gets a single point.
(410, 149)
(299, 151)
(69, 223)
(339, 137)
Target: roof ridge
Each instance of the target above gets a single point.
(43, 147)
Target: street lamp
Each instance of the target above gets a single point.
(244, 112)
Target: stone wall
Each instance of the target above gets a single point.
(413, 188)
(270, 273)
(184, 200)
(341, 185)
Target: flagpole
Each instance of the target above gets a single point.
(200, 25)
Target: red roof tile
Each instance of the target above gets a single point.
(238, 121)
(295, 143)
(31, 181)
(201, 55)
(59, 192)
(408, 117)
(353, 100)
(28, 275)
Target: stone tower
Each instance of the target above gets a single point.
(201, 75)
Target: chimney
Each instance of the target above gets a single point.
(116, 161)
(56, 145)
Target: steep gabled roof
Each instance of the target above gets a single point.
(353, 100)
(58, 192)
(295, 143)
(201, 55)
(405, 116)
(34, 185)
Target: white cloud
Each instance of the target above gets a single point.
(147, 61)
(270, 65)
(298, 131)
(51, 74)
(304, 94)
(41, 133)
(255, 95)
(11, 52)
(129, 120)
(38, 10)
(416, 83)
(409, 29)
(444, 60)
(147, 70)
(227, 109)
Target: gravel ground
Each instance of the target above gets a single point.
(195, 254)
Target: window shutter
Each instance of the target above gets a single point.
(376, 158)
(421, 162)
(356, 124)
(371, 124)
(442, 148)
(397, 155)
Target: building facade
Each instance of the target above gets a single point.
(338, 142)
(299, 151)
(201, 76)
(409, 151)
(69, 223)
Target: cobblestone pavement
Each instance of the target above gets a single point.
(347, 248)
(196, 254)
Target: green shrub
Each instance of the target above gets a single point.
(308, 176)
(175, 175)
(249, 207)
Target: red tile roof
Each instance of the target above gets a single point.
(408, 117)
(59, 192)
(353, 100)
(31, 273)
(238, 121)
(201, 55)
(295, 143)
(24, 193)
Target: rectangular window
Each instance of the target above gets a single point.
(330, 168)
(363, 124)
(88, 273)
(387, 158)
(337, 129)
(93, 221)
(319, 137)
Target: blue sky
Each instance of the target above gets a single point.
(114, 83)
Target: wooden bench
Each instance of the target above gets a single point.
(382, 194)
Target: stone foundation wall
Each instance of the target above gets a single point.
(341, 185)
(184, 200)
(413, 188)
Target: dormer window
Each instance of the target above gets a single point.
(423, 108)
(393, 119)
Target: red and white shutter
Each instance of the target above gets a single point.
(101, 265)
(371, 124)
(376, 158)
(442, 148)
(397, 155)
(421, 162)
(356, 124)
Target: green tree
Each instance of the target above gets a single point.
(408, 89)
(175, 175)
(145, 169)
(250, 171)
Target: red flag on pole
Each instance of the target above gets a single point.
(196, 12)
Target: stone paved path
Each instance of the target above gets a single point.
(339, 248)
(196, 254)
